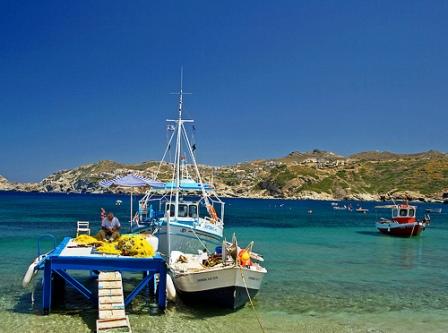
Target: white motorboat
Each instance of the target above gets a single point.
(223, 279)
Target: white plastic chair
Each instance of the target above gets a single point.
(83, 227)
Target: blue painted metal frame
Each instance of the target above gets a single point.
(143, 283)
(76, 284)
(56, 264)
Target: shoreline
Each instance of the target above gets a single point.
(373, 198)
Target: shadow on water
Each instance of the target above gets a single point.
(66, 302)
(200, 311)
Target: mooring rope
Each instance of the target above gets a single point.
(250, 300)
(200, 240)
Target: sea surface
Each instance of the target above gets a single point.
(329, 271)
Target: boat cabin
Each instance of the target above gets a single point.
(404, 214)
(186, 209)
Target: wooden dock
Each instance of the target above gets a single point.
(111, 309)
(68, 257)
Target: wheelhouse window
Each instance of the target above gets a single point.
(394, 212)
(183, 210)
(403, 212)
(412, 212)
(193, 211)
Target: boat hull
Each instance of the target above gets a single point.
(401, 229)
(229, 297)
(222, 287)
(185, 239)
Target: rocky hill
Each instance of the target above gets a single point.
(5, 185)
(317, 174)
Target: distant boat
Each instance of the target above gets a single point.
(433, 210)
(403, 222)
(118, 203)
(334, 203)
(340, 207)
(361, 210)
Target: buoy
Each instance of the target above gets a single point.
(31, 271)
(170, 289)
(244, 258)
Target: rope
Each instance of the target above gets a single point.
(200, 240)
(251, 303)
(164, 155)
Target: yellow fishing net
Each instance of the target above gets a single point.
(108, 248)
(87, 240)
(126, 245)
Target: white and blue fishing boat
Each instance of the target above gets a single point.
(185, 209)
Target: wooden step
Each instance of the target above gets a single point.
(110, 292)
(111, 309)
(109, 284)
(110, 299)
(114, 323)
(111, 314)
(109, 276)
(110, 306)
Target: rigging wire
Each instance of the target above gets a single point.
(168, 148)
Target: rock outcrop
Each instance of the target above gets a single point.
(5, 185)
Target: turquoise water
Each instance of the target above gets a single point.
(328, 272)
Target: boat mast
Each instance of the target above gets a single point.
(178, 146)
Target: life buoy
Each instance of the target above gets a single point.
(211, 210)
(170, 289)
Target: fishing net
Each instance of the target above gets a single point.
(126, 245)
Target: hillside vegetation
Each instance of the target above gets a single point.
(317, 174)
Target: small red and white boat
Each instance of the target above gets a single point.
(403, 222)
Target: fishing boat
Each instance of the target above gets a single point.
(187, 216)
(361, 210)
(403, 222)
(227, 278)
(185, 209)
(340, 207)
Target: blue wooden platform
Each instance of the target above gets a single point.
(56, 265)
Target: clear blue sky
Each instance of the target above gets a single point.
(82, 81)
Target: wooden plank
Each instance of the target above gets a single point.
(118, 314)
(108, 324)
(105, 314)
(110, 292)
(109, 276)
(111, 310)
(110, 299)
(109, 284)
(110, 306)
